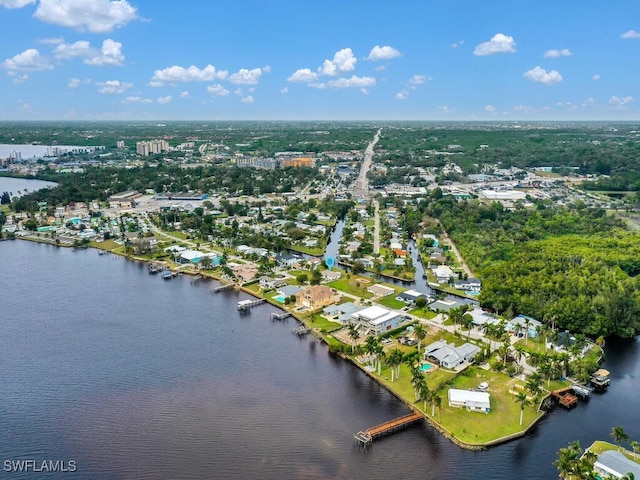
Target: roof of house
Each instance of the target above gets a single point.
(444, 305)
(378, 289)
(470, 397)
(614, 462)
(316, 292)
(343, 308)
(288, 290)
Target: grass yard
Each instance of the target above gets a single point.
(423, 313)
(352, 286)
(325, 326)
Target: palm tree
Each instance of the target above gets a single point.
(534, 384)
(568, 459)
(543, 331)
(370, 346)
(379, 352)
(354, 335)
(619, 435)
(420, 333)
(523, 400)
(424, 393)
(635, 446)
(467, 323)
(395, 360)
(527, 326)
(438, 402)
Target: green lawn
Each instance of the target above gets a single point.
(353, 286)
(391, 302)
(325, 326)
(600, 446)
(316, 251)
(423, 313)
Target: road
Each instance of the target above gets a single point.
(362, 183)
(376, 230)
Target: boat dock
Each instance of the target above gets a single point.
(279, 316)
(600, 380)
(155, 268)
(582, 392)
(247, 304)
(565, 397)
(366, 438)
(220, 288)
(168, 275)
(301, 330)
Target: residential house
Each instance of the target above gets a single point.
(340, 313)
(447, 355)
(315, 296)
(375, 319)
(480, 317)
(410, 296)
(468, 285)
(330, 275)
(443, 273)
(472, 400)
(380, 290)
(522, 322)
(444, 305)
(269, 283)
(613, 464)
(245, 272)
(287, 290)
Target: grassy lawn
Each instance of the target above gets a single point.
(316, 251)
(600, 446)
(352, 286)
(423, 313)
(391, 302)
(325, 326)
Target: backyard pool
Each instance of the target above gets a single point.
(425, 367)
(279, 298)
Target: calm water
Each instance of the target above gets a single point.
(17, 186)
(134, 377)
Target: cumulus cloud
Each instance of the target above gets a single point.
(596, 77)
(28, 61)
(109, 54)
(20, 78)
(630, 34)
(16, 3)
(303, 75)
(164, 100)
(490, 108)
(247, 100)
(51, 41)
(383, 53)
(354, 81)
(184, 94)
(97, 16)
(343, 61)
(74, 83)
(217, 90)
(136, 99)
(364, 91)
(111, 87)
(589, 102)
(499, 43)
(284, 90)
(620, 102)
(457, 44)
(540, 75)
(554, 53)
(417, 80)
(402, 95)
(445, 109)
(245, 76)
(177, 74)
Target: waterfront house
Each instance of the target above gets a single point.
(375, 320)
(444, 305)
(612, 463)
(522, 323)
(443, 273)
(315, 296)
(269, 283)
(380, 290)
(245, 272)
(330, 275)
(447, 355)
(287, 290)
(471, 400)
(340, 313)
(410, 296)
(470, 285)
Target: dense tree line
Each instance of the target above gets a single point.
(576, 268)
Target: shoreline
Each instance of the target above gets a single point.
(316, 333)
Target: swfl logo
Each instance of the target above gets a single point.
(40, 466)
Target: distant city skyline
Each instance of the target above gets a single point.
(440, 60)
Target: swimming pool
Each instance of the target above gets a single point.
(425, 367)
(279, 298)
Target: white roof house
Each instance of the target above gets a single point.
(614, 463)
(443, 273)
(448, 355)
(376, 319)
(471, 400)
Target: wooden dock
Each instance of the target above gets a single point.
(565, 397)
(280, 316)
(247, 304)
(168, 275)
(366, 438)
(301, 330)
(220, 288)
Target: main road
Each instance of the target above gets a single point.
(362, 184)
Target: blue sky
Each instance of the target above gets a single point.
(307, 60)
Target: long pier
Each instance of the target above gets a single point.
(220, 288)
(280, 316)
(247, 304)
(366, 438)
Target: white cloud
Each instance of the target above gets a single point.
(364, 91)
(630, 34)
(177, 74)
(554, 53)
(245, 76)
(239, 92)
(266, 69)
(318, 85)
(382, 67)
(16, 3)
(303, 75)
(490, 108)
(445, 109)
(247, 100)
(217, 90)
(20, 78)
(28, 61)
(343, 61)
(457, 44)
(113, 86)
(540, 75)
(417, 80)
(137, 100)
(354, 81)
(74, 83)
(110, 53)
(596, 77)
(589, 102)
(164, 100)
(284, 90)
(97, 16)
(499, 43)
(51, 41)
(620, 102)
(383, 53)
(184, 94)
(402, 95)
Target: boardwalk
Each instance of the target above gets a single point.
(364, 439)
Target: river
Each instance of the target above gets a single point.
(133, 377)
(17, 186)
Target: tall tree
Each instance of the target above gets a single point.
(523, 400)
(619, 435)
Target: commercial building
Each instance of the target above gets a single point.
(152, 147)
(298, 162)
